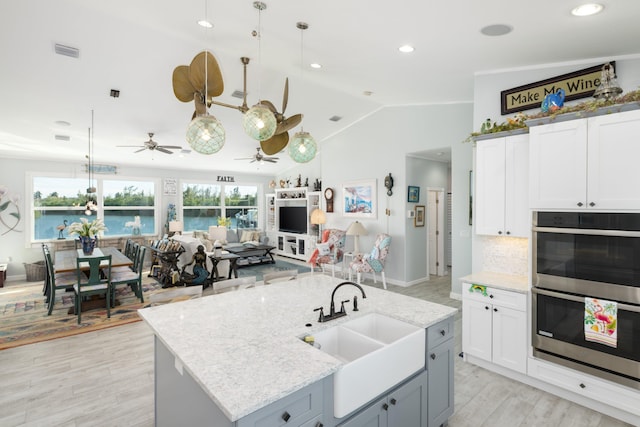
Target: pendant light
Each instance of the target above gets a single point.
(259, 122)
(302, 148)
(91, 205)
(205, 134)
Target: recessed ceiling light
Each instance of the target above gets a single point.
(496, 30)
(62, 123)
(315, 65)
(587, 9)
(367, 93)
(204, 23)
(406, 48)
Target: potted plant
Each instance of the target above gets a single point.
(87, 233)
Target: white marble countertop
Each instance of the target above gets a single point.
(243, 347)
(499, 280)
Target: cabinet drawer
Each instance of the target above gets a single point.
(499, 297)
(295, 409)
(440, 332)
(583, 384)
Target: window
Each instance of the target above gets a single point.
(204, 204)
(128, 207)
(60, 201)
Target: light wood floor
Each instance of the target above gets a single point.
(105, 378)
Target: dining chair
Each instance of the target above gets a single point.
(55, 281)
(131, 276)
(279, 276)
(94, 281)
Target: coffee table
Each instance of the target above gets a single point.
(261, 252)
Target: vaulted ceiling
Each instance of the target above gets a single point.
(134, 46)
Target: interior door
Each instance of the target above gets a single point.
(435, 232)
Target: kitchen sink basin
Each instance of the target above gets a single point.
(378, 352)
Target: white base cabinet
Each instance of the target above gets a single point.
(494, 326)
(502, 186)
(586, 163)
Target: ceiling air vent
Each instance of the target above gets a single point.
(238, 94)
(335, 118)
(67, 50)
(66, 138)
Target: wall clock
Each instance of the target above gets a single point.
(328, 195)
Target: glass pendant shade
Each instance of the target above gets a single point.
(259, 122)
(302, 148)
(205, 134)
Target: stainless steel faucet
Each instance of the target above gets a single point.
(332, 310)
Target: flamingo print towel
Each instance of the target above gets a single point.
(601, 321)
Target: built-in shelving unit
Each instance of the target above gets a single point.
(294, 245)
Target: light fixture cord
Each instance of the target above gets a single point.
(206, 61)
(259, 54)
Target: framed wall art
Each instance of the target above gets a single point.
(359, 199)
(413, 194)
(418, 219)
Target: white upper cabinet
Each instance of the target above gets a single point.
(501, 175)
(586, 163)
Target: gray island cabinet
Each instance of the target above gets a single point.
(237, 359)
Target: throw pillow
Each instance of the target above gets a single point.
(247, 236)
(323, 249)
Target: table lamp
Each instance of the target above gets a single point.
(175, 227)
(318, 218)
(356, 229)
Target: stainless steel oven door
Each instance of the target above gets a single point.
(558, 336)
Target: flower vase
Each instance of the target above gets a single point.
(88, 243)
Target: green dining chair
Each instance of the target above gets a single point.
(54, 281)
(131, 276)
(94, 281)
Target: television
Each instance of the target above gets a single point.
(293, 219)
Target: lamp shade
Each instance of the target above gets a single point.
(217, 233)
(318, 216)
(259, 122)
(205, 134)
(356, 229)
(175, 226)
(302, 148)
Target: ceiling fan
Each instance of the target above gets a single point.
(258, 157)
(153, 146)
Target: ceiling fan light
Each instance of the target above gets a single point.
(302, 148)
(259, 122)
(205, 134)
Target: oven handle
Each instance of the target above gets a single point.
(621, 306)
(588, 232)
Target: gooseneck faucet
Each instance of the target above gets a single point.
(332, 310)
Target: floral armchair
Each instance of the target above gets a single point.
(373, 262)
(330, 251)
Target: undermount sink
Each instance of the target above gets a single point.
(378, 352)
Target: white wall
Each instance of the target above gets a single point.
(378, 145)
(15, 244)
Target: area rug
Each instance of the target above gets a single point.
(24, 319)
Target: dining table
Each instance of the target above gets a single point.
(65, 261)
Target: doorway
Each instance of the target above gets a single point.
(435, 231)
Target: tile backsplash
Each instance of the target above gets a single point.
(508, 255)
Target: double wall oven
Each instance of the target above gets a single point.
(579, 256)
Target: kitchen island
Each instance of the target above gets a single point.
(244, 349)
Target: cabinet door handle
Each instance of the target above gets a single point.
(433, 356)
(499, 232)
(508, 232)
(443, 332)
(393, 401)
(582, 385)
(385, 406)
(319, 424)
(579, 203)
(495, 309)
(491, 296)
(286, 416)
(592, 204)
(486, 307)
